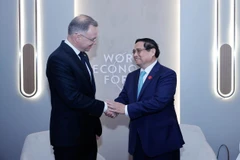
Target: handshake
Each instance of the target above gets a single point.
(114, 108)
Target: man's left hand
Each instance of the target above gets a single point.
(116, 107)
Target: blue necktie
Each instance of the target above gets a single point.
(140, 82)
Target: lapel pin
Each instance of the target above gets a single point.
(149, 77)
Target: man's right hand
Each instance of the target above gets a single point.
(110, 114)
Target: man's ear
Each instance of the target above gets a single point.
(153, 51)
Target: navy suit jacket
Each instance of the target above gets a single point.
(152, 115)
(75, 111)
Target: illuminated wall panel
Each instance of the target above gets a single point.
(225, 47)
(28, 38)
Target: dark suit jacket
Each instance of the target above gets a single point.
(75, 111)
(152, 115)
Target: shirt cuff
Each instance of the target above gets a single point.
(126, 110)
(105, 107)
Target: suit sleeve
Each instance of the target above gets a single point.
(63, 82)
(123, 96)
(98, 129)
(160, 96)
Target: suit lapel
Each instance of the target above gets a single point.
(70, 52)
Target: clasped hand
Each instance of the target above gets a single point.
(114, 108)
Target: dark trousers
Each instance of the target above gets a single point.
(74, 153)
(140, 155)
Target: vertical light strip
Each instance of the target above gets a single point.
(76, 6)
(225, 48)
(178, 98)
(236, 38)
(39, 47)
(79, 7)
(215, 49)
(27, 47)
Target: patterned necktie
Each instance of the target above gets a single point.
(140, 82)
(85, 61)
(83, 57)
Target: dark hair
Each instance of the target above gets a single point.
(149, 44)
(81, 23)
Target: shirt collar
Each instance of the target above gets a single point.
(70, 45)
(149, 68)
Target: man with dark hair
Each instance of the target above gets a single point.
(74, 123)
(148, 99)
